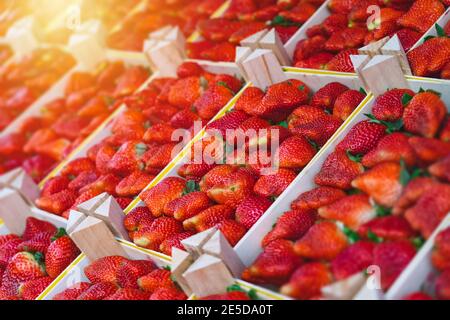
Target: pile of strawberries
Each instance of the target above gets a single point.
(439, 285)
(245, 18)
(43, 140)
(382, 191)
(5, 53)
(132, 32)
(117, 278)
(140, 144)
(231, 192)
(23, 81)
(29, 263)
(432, 58)
(350, 26)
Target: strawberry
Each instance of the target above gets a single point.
(408, 38)
(223, 51)
(304, 115)
(78, 166)
(249, 99)
(346, 103)
(422, 15)
(164, 192)
(316, 61)
(187, 206)
(274, 265)
(246, 31)
(39, 243)
(417, 296)
(133, 184)
(161, 157)
(189, 69)
(233, 295)
(161, 229)
(209, 218)
(347, 38)
(184, 119)
(7, 237)
(232, 230)
(233, 190)
(412, 193)
(445, 73)
(25, 266)
(106, 183)
(292, 225)
(158, 278)
(168, 294)
(104, 269)
(386, 228)
(362, 138)
(131, 271)
(248, 132)
(230, 121)
(218, 29)
(445, 131)
(127, 159)
(215, 176)
(135, 216)
(353, 211)
(186, 91)
(98, 291)
(159, 133)
(193, 170)
(391, 148)
(338, 171)
(309, 47)
(60, 254)
(174, 241)
(430, 57)
(8, 250)
(316, 198)
(323, 240)
(429, 150)
(441, 253)
(443, 286)
(392, 258)
(273, 185)
(381, 183)
(341, 62)
(307, 281)
(355, 258)
(33, 227)
(73, 292)
(104, 154)
(295, 153)
(424, 114)
(341, 6)
(30, 290)
(441, 168)
(213, 100)
(251, 209)
(82, 180)
(327, 95)
(319, 130)
(429, 210)
(129, 294)
(58, 202)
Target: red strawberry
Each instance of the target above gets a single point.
(25, 266)
(164, 192)
(189, 69)
(429, 150)
(422, 15)
(443, 286)
(307, 281)
(381, 183)
(77, 166)
(129, 294)
(251, 209)
(304, 115)
(417, 296)
(338, 171)
(445, 73)
(232, 230)
(431, 57)
(215, 176)
(34, 226)
(133, 219)
(309, 47)
(82, 180)
(168, 294)
(233, 190)
(408, 38)
(230, 121)
(131, 270)
(424, 114)
(274, 265)
(392, 258)
(7, 237)
(186, 91)
(327, 95)
(159, 133)
(341, 6)
(161, 157)
(273, 185)
(30, 290)
(445, 132)
(223, 51)
(393, 147)
(39, 243)
(104, 269)
(127, 159)
(98, 291)
(292, 225)
(347, 38)
(295, 153)
(218, 29)
(346, 103)
(105, 153)
(174, 241)
(72, 292)
(60, 254)
(441, 169)
(387, 228)
(187, 206)
(133, 184)
(334, 23)
(441, 253)
(8, 250)
(353, 211)
(246, 31)
(248, 132)
(316, 61)
(323, 240)
(55, 185)
(249, 99)
(341, 62)
(58, 202)
(159, 278)
(356, 258)
(412, 193)
(316, 198)
(213, 100)
(362, 138)
(319, 130)
(160, 230)
(209, 218)
(233, 295)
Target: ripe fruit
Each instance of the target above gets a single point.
(34, 227)
(128, 294)
(249, 100)
(390, 105)
(327, 95)
(443, 286)
(72, 292)
(39, 243)
(346, 103)
(187, 206)
(362, 138)
(30, 290)
(215, 176)
(422, 15)
(341, 62)
(209, 218)
(161, 229)
(232, 230)
(316, 198)
(295, 152)
(60, 254)
(78, 166)
(212, 101)
(355, 258)
(127, 159)
(159, 278)
(429, 58)
(387, 228)
(104, 269)
(273, 185)
(441, 169)
(251, 209)
(174, 241)
(58, 202)
(25, 266)
(429, 150)
(132, 219)
(168, 294)
(230, 121)
(98, 291)
(189, 69)
(55, 185)
(408, 38)
(233, 190)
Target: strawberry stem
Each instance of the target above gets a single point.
(352, 236)
(61, 232)
(373, 237)
(191, 186)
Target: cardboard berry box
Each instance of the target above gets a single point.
(250, 246)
